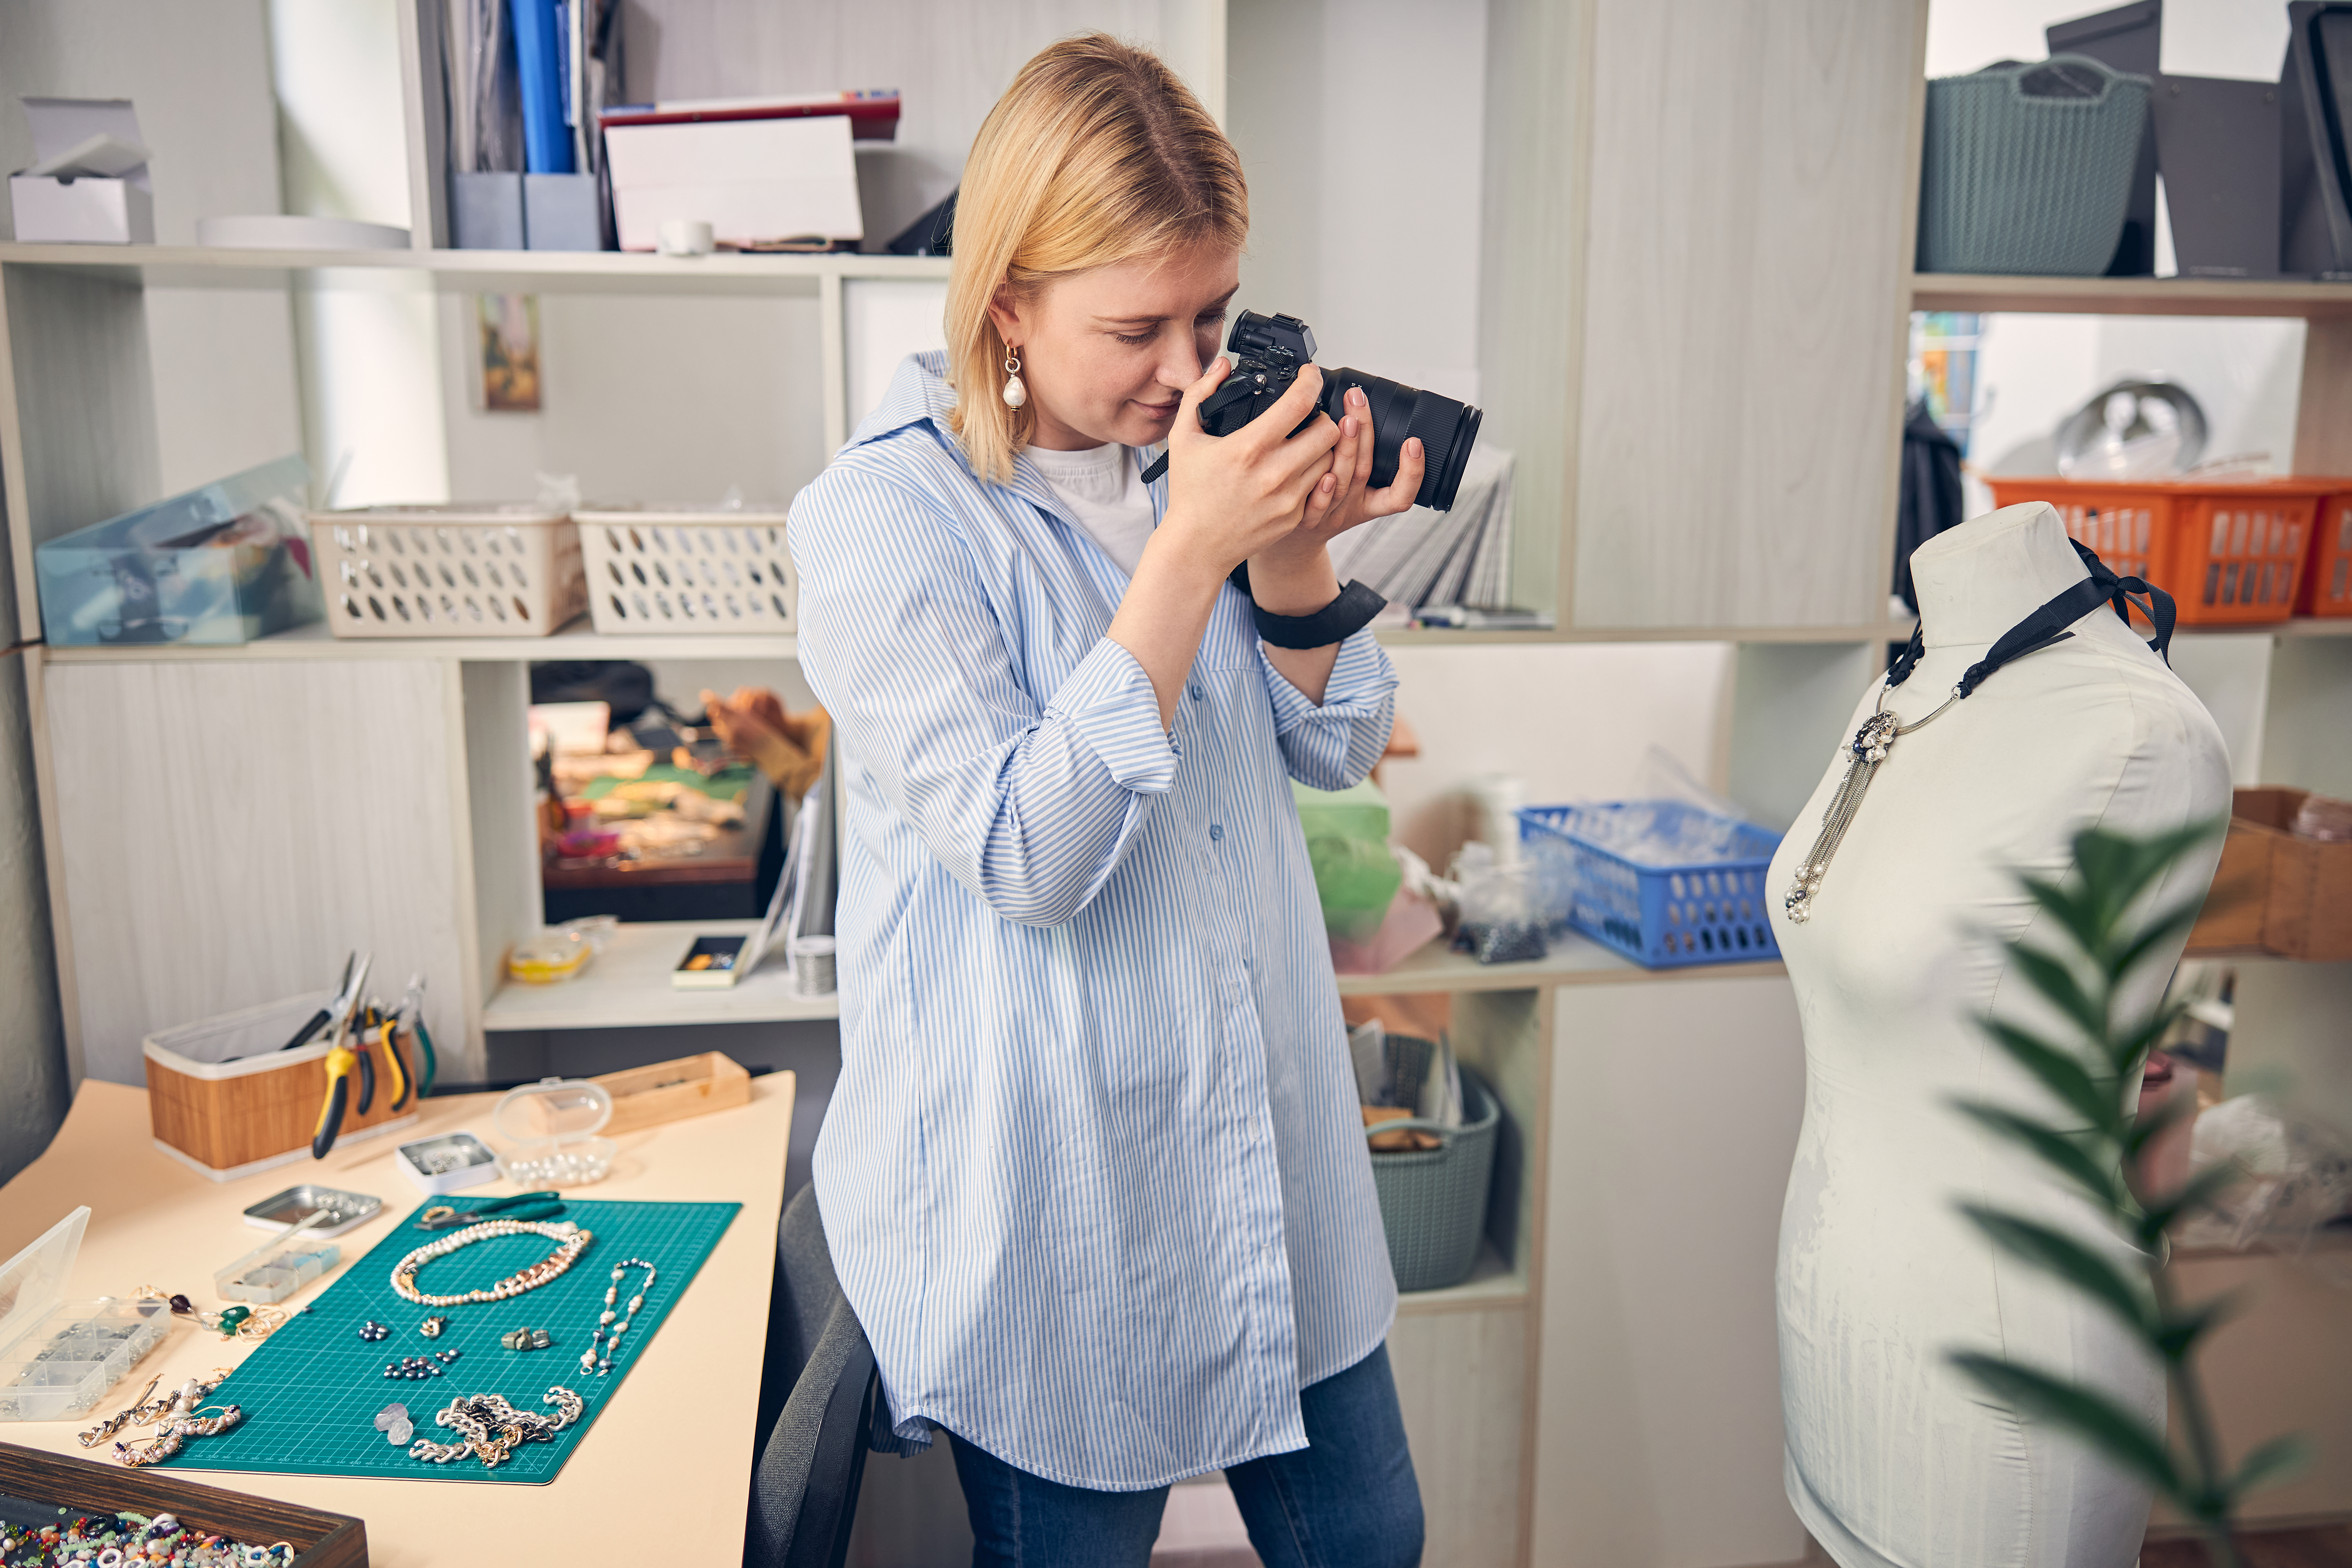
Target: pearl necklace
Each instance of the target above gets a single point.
(608, 1333)
(571, 1242)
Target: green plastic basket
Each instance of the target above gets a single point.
(2018, 177)
(1434, 1200)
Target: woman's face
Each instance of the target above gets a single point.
(1108, 353)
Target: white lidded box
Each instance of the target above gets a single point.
(57, 1358)
(460, 570)
(90, 186)
(678, 567)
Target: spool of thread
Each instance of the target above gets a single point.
(684, 236)
(813, 966)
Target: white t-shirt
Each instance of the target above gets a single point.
(1105, 495)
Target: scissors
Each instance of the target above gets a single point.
(522, 1205)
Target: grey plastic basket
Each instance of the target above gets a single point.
(2016, 180)
(1434, 1200)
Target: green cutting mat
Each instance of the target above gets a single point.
(310, 1391)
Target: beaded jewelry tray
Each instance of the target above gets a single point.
(311, 1391)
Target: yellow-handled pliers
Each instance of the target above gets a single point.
(340, 1059)
(387, 1033)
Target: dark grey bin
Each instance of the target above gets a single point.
(1434, 1201)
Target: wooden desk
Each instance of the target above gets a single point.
(672, 1451)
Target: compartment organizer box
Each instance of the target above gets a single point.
(460, 570)
(684, 568)
(57, 1358)
(1662, 910)
(2230, 554)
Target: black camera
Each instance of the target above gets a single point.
(1268, 352)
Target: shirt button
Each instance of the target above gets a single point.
(1216, 831)
(1196, 691)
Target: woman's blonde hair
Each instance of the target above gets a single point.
(1096, 154)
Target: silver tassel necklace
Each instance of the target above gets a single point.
(1868, 751)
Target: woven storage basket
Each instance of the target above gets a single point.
(464, 569)
(2015, 181)
(1434, 1200)
(673, 568)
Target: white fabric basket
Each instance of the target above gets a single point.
(501, 570)
(689, 569)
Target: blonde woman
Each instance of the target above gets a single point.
(1094, 1177)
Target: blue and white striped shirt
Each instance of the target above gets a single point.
(1093, 1176)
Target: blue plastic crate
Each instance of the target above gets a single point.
(1660, 916)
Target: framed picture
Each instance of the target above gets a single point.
(510, 341)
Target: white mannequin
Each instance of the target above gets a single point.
(1894, 1457)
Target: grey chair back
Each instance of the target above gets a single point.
(804, 1486)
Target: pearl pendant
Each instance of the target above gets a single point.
(1016, 394)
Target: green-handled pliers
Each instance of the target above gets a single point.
(522, 1205)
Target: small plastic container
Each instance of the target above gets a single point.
(2230, 554)
(470, 570)
(1662, 910)
(680, 568)
(449, 1163)
(59, 1358)
(277, 1268)
(222, 564)
(553, 1126)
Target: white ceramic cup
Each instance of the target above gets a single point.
(684, 236)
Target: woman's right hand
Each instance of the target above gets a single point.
(1230, 497)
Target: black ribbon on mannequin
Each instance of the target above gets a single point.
(2048, 625)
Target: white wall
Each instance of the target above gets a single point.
(1360, 128)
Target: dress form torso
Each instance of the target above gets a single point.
(1893, 1457)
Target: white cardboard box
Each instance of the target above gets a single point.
(751, 180)
(90, 184)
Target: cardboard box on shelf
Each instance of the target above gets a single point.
(2275, 891)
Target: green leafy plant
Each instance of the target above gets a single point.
(2108, 935)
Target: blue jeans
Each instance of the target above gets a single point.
(1347, 1499)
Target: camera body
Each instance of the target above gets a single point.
(1268, 354)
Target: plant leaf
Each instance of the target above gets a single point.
(2074, 911)
(2198, 1192)
(2167, 1113)
(2159, 930)
(2057, 982)
(2127, 1051)
(2099, 1102)
(2092, 1416)
(2273, 1461)
(2056, 1149)
(2054, 1252)
(2183, 1328)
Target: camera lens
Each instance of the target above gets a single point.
(1447, 429)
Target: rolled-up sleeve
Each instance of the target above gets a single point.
(1031, 808)
(1334, 743)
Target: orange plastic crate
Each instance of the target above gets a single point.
(2327, 575)
(2230, 554)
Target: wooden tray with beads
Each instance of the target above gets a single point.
(320, 1540)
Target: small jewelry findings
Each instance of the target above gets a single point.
(431, 1327)
(607, 1333)
(414, 1368)
(373, 1331)
(571, 1239)
(388, 1414)
(526, 1338)
(393, 1422)
(491, 1429)
(1016, 392)
(239, 1322)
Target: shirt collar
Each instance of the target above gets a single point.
(921, 395)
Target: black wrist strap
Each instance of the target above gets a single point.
(1340, 619)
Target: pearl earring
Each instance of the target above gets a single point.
(1015, 393)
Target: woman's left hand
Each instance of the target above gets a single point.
(1344, 498)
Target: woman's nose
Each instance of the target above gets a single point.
(1180, 367)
